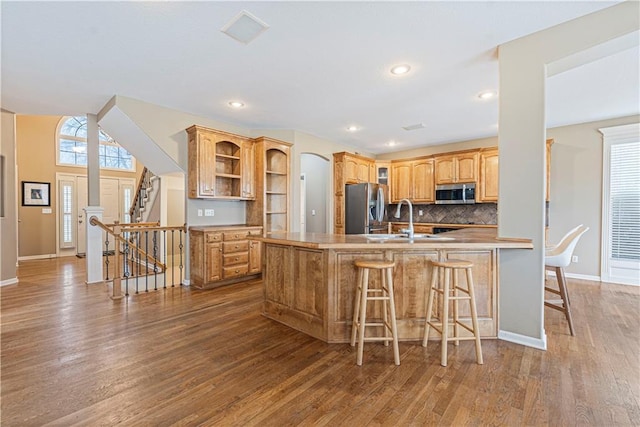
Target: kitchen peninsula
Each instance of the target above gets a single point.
(309, 278)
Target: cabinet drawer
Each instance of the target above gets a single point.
(213, 237)
(238, 270)
(240, 246)
(236, 258)
(236, 235)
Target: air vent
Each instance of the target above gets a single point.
(414, 127)
(244, 27)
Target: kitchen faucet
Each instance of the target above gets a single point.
(409, 230)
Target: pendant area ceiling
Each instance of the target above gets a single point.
(318, 67)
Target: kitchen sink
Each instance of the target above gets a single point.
(404, 238)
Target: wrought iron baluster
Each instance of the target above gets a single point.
(180, 247)
(106, 255)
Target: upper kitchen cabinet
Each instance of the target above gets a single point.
(487, 190)
(270, 209)
(357, 169)
(218, 165)
(454, 168)
(413, 180)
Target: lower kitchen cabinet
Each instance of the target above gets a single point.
(222, 255)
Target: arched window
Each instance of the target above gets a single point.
(72, 146)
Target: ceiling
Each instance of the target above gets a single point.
(320, 67)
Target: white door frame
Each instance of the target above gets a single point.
(61, 176)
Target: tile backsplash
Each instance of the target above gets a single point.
(480, 213)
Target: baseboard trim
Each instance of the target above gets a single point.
(186, 282)
(8, 282)
(30, 257)
(622, 281)
(539, 343)
(576, 276)
(98, 282)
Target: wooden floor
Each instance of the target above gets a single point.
(71, 356)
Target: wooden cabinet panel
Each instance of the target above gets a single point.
(213, 263)
(445, 170)
(350, 170)
(255, 257)
(412, 180)
(467, 167)
(450, 169)
(487, 190)
(219, 165)
(401, 184)
(423, 189)
(217, 256)
(248, 170)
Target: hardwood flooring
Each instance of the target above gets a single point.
(71, 356)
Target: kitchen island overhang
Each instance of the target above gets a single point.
(310, 281)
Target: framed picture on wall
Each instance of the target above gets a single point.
(35, 193)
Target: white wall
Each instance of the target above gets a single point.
(8, 223)
(318, 179)
(576, 188)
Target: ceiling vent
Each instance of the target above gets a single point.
(244, 27)
(414, 127)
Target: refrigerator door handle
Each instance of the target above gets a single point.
(380, 203)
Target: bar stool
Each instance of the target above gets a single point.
(449, 267)
(364, 294)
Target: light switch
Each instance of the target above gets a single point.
(313, 212)
(199, 212)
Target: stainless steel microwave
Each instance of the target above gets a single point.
(456, 194)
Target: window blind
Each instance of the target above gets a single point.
(625, 202)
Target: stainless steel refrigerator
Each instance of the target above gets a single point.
(365, 208)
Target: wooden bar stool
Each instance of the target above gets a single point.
(452, 293)
(365, 294)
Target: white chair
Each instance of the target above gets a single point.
(550, 247)
(558, 257)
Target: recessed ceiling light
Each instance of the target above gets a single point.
(236, 104)
(486, 94)
(353, 128)
(400, 69)
(391, 144)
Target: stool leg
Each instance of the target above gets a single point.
(394, 326)
(474, 317)
(562, 286)
(455, 307)
(431, 294)
(363, 314)
(445, 316)
(385, 315)
(356, 307)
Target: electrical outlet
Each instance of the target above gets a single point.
(199, 212)
(209, 212)
(574, 258)
(420, 212)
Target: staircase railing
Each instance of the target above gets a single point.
(140, 197)
(142, 255)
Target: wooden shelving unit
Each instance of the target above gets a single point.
(220, 165)
(228, 169)
(271, 207)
